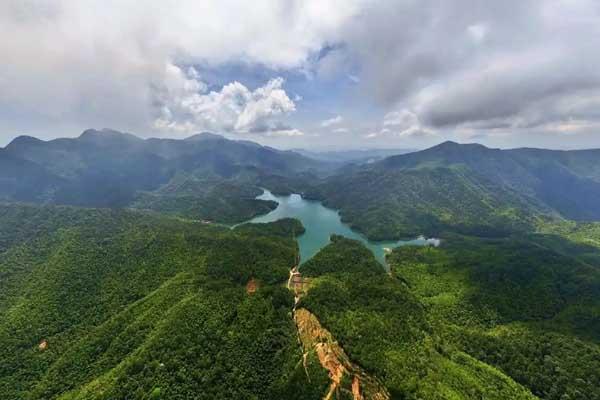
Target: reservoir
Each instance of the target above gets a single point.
(320, 223)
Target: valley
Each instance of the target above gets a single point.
(300, 200)
(180, 287)
(320, 223)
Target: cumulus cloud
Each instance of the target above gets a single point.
(186, 105)
(403, 124)
(332, 121)
(463, 67)
(101, 63)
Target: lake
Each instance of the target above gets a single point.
(320, 223)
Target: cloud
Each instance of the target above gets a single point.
(98, 63)
(285, 132)
(514, 68)
(510, 64)
(332, 121)
(478, 32)
(341, 130)
(403, 124)
(186, 105)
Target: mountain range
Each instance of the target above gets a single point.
(114, 285)
(466, 188)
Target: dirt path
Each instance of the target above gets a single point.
(314, 338)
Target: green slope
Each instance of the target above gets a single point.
(135, 305)
(385, 328)
(393, 203)
(515, 304)
(205, 176)
(470, 189)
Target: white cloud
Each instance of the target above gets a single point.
(187, 105)
(401, 124)
(332, 121)
(285, 133)
(478, 32)
(402, 119)
(100, 63)
(341, 130)
(516, 66)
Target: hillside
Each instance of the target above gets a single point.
(385, 329)
(113, 169)
(118, 304)
(526, 305)
(469, 189)
(103, 304)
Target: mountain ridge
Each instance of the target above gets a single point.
(108, 168)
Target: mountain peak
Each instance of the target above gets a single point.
(203, 136)
(449, 144)
(106, 134)
(23, 140)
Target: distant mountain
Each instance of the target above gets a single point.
(467, 188)
(352, 156)
(567, 181)
(24, 180)
(108, 168)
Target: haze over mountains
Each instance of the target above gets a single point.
(421, 192)
(468, 188)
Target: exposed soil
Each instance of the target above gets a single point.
(332, 357)
(251, 286)
(43, 346)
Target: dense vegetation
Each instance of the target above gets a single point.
(202, 177)
(385, 329)
(401, 204)
(286, 227)
(101, 304)
(516, 304)
(469, 189)
(150, 299)
(346, 255)
(207, 199)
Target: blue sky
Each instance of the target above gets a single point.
(320, 74)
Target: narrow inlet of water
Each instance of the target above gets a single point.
(321, 222)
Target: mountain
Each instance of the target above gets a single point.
(567, 181)
(527, 306)
(123, 304)
(24, 180)
(146, 302)
(113, 169)
(466, 188)
(99, 303)
(352, 156)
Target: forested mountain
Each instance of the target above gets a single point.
(526, 305)
(465, 188)
(113, 169)
(352, 156)
(140, 300)
(102, 304)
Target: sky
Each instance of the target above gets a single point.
(317, 74)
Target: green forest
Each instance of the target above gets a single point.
(159, 290)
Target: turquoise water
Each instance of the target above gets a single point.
(320, 223)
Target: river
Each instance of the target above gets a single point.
(320, 223)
